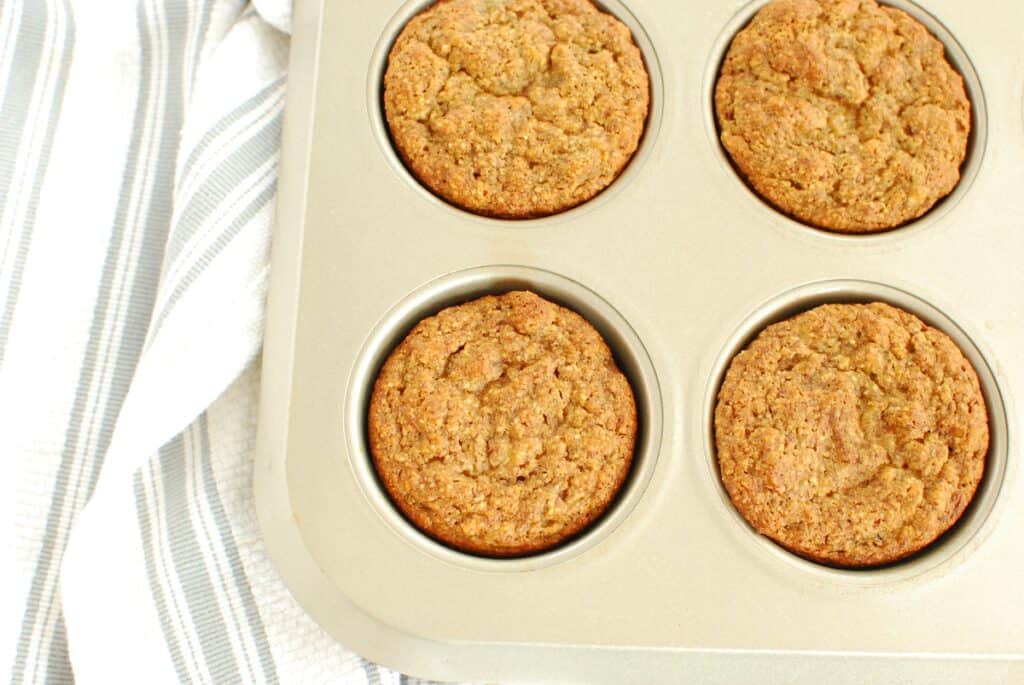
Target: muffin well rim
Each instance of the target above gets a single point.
(976, 142)
(462, 286)
(381, 132)
(950, 548)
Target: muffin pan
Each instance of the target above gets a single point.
(678, 264)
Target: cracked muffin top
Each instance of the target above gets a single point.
(843, 113)
(515, 108)
(851, 434)
(502, 426)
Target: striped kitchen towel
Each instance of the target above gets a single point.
(139, 144)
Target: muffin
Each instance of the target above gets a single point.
(852, 434)
(515, 108)
(843, 114)
(502, 426)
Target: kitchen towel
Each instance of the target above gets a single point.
(139, 143)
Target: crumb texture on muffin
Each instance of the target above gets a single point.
(843, 113)
(502, 426)
(851, 434)
(516, 108)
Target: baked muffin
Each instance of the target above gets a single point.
(502, 426)
(515, 108)
(844, 114)
(851, 434)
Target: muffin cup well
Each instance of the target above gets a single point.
(381, 131)
(464, 286)
(953, 545)
(976, 141)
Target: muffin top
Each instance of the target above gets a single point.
(843, 113)
(851, 434)
(502, 426)
(515, 108)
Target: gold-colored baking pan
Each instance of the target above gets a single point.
(678, 264)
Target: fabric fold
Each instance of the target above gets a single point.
(138, 180)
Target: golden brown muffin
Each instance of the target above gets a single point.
(515, 108)
(843, 113)
(851, 434)
(502, 426)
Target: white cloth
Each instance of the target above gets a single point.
(139, 142)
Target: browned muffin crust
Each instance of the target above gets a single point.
(843, 113)
(516, 108)
(851, 434)
(502, 426)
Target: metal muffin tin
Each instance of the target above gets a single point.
(678, 264)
